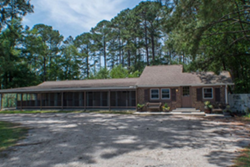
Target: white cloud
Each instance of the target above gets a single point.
(75, 16)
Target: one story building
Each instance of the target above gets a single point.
(166, 84)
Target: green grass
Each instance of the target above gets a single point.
(244, 159)
(10, 133)
(64, 111)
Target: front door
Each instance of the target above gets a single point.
(186, 98)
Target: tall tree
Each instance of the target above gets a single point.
(83, 43)
(13, 9)
(49, 43)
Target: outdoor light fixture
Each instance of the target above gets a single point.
(177, 90)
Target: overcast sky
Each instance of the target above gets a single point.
(73, 17)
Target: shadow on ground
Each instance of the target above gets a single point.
(96, 139)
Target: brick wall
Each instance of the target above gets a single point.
(200, 104)
(171, 104)
(178, 103)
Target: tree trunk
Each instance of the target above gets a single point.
(87, 66)
(146, 41)
(153, 42)
(123, 62)
(104, 52)
(87, 62)
(44, 69)
(129, 59)
(183, 58)
(120, 53)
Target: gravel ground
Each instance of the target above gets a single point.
(76, 140)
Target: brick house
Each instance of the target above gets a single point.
(166, 84)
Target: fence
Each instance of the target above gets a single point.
(239, 102)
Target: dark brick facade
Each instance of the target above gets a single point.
(178, 103)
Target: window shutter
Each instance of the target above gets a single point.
(173, 94)
(146, 95)
(217, 94)
(199, 94)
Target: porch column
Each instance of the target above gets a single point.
(85, 100)
(109, 100)
(16, 100)
(41, 100)
(36, 102)
(226, 95)
(62, 100)
(1, 96)
(21, 101)
(136, 100)
(116, 99)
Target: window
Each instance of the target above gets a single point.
(207, 93)
(165, 93)
(154, 94)
(185, 91)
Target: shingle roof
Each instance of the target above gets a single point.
(79, 84)
(124, 82)
(172, 75)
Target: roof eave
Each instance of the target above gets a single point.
(218, 84)
(67, 89)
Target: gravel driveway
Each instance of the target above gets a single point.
(76, 140)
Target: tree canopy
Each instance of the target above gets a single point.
(204, 35)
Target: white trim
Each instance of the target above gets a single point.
(65, 89)
(150, 86)
(204, 93)
(169, 94)
(158, 94)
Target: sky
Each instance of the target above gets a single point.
(73, 17)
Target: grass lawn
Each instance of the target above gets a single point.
(63, 111)
(244, 159)
(10, 133)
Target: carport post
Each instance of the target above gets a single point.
(109, 100)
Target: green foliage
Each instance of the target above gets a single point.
(103, 73)
(208, 105)
(140, 106)
(10, 11)
(119, 72)
(165, 107)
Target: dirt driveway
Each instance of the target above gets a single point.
(72, 140)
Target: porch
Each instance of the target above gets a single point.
(112, 99)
